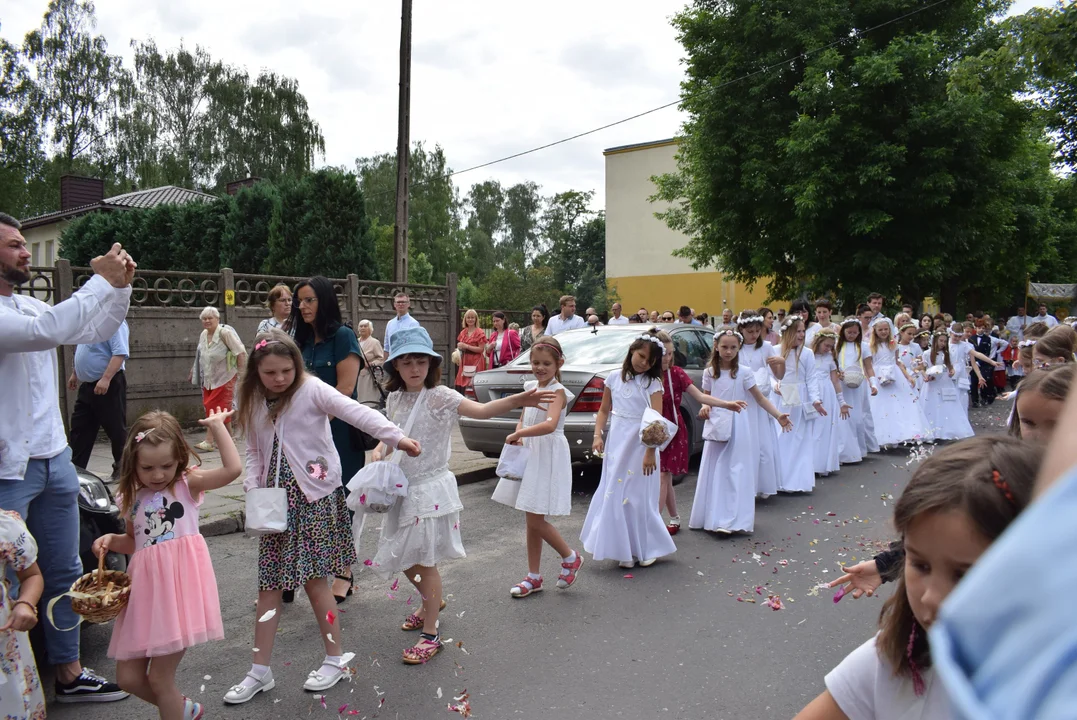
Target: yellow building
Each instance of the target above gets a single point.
(639, 247)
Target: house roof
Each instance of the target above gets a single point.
(166, 195)
(639, 146)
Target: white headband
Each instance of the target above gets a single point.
(792, 318)
(1026, 343)
(729, 331)
(655, 340)
(851, 320)
(749, 320)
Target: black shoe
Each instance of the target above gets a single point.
(288, 596)
(89, 687)
(342, 598)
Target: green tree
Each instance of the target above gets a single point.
(887, 161)
(503, 289)
(167, 139)
(76, 78)
(248, 238)
(484, 208)
(21, 153)
(433, 205)
(1047, 40)
(322, 227)
(521, 211)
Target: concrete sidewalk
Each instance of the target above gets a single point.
(223, 509)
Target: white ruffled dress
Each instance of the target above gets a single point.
(423, 528)
(765, 429)
(546, 487)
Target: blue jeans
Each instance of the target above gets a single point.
(48, 500)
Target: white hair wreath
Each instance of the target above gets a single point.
(728, 331)
(749, 320)
(655, 340)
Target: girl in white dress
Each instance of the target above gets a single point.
(546, 487)
(423, 528)
(961, 354)
(766, 363)
(800, 400)
(726, 488)
(942, 401)
(896, 408)
(20, 686)
(958, 502)
(833, 440)
(858, 383)
(909, 354)
(623, 522)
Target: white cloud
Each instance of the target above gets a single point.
(489, 78)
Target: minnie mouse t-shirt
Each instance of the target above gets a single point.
(160, 516)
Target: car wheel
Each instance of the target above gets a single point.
(492, 455)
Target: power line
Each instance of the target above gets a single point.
(800, 56)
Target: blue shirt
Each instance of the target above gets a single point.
(91, 360)
(395, 324)
(1004, 642)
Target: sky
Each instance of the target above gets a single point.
(489, 78)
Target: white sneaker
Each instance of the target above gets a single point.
(241, 693)
(627, 564)
(317, 681)
(647, 563)
(723, 531)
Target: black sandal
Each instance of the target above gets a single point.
(288, 596)
(342, 598)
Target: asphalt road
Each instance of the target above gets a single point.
(680, 639)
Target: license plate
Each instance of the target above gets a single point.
(508, 393)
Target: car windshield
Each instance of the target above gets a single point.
(589, 348)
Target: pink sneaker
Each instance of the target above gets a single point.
(565, 579)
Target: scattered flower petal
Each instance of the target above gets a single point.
(270, 614)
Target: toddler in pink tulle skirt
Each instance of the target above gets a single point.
(173, 603)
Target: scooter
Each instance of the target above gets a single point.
(98, 515)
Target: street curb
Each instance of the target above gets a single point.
(237, 522)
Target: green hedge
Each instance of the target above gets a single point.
(312, 225)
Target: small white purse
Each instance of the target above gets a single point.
(378, 486)
(267, 507)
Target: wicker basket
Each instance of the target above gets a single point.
(100, 595)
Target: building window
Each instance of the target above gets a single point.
(35, 253)
(49, 259)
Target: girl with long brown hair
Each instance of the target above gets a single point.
(941, 398)
(959, 501)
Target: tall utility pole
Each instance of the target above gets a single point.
(403, 148)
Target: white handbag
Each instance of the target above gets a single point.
(513, 462)
(885, 374)
(267, 507)
(853, 376)
(762, 381)
(378, 486)
(792, 394)
(719, 426)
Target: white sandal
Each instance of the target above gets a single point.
(240, 694)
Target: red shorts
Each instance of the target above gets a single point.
(219, 397)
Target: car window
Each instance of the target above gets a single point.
(689, 347)
(590, 348)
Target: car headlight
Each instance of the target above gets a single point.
(93, 491)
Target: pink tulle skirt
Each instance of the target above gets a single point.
(173, 603)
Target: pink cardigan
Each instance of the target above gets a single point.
(510, 346)
(304, 432)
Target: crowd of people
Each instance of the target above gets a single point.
(776, 416)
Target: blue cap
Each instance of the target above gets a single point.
(411, 341)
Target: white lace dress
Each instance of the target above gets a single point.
(424, 528)
(833, 439)
(546, 487)
(863, 425)
(898, 414)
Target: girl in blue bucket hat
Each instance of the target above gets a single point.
(423, 528)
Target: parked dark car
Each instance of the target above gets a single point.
(590, 355)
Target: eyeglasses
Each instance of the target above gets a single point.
(308, 301)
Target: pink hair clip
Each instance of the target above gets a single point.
(261, 344)
(139, 437)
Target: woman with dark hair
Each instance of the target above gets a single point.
(539, 317)
(331, 352)
(504, 344)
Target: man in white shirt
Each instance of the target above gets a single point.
(1044, 317)
(37, 479)
(617, 318)
(567, 320)
(822, 321)
(402, 304)
(875, 302)
(1016, 325)
(727, 316)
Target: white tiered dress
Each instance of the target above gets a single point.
(546, 487)
(863, 425)
(726, 488)
(795, 447)
(623, 522)
(424, 527)
(896, 408)
(765, 430)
